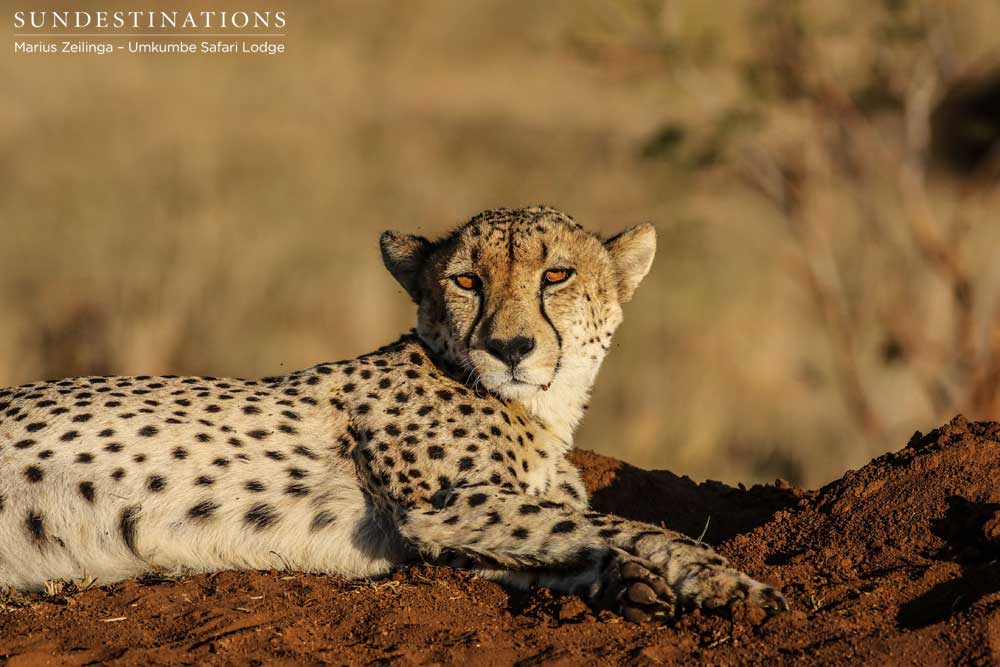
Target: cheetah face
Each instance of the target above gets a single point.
(521, 300)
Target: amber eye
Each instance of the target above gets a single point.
(556, 276)
(468, 281)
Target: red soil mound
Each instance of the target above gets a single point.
(896, 563)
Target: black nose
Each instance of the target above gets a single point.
(511, 350)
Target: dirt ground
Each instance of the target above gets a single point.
(893, 564)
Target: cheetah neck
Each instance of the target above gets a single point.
(563, 405)
(559, 415)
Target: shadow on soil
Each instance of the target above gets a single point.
(711, 508)
(971, 531)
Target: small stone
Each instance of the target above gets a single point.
(991, 529)
(573, 610)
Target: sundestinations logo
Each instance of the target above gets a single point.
(102, 32)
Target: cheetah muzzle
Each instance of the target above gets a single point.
(448, 444)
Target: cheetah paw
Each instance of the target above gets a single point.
(644, 594)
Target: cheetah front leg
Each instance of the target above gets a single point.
(644, 571)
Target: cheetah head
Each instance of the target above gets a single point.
(522, 301)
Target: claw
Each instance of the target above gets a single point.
(640, 593)
(771, 600)
(636, 615)
(633, 570)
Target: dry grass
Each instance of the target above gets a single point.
(200, 215)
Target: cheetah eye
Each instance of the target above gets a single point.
(468, 281)
(556, 276)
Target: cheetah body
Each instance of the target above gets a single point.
(448, 444)
(112, 477)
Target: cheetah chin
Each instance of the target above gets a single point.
(448, 444)
(513, 384)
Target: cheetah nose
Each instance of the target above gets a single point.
(511, 350)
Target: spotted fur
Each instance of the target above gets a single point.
(448, 444)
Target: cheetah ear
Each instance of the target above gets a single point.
(631, 255)
(404, 255)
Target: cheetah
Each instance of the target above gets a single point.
(448, 445)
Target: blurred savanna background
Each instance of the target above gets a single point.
(822, 175)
